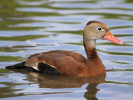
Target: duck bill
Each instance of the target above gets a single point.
(109, 36)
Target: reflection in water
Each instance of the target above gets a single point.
(91, 92)
(46, 81)
(8, 90)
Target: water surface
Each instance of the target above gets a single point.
(32, 26)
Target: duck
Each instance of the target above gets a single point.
(70, 63)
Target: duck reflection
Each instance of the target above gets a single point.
(91, 92)
(46, 81)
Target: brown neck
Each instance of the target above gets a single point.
(90, 48)
(93, 62)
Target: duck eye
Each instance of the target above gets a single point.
(99, 28)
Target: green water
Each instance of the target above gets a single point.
(32, 26)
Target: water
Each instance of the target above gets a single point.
(32, 26)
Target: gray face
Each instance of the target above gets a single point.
(96, 30)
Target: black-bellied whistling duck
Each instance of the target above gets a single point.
(69, 62)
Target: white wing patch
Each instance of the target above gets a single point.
(49, 65)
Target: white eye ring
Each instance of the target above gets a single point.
(100, 29)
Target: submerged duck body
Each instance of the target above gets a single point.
(61, 62)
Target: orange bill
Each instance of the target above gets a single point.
(109, 36)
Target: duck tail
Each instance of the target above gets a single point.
(17, 66)
(21, 66)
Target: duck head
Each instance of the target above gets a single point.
(97, 30)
